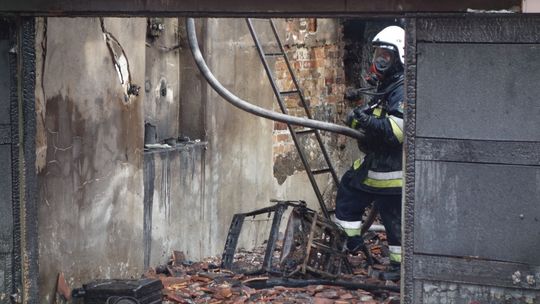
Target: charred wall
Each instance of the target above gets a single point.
(472, 187)
(162, 84)
(89, 144)
(174, 209)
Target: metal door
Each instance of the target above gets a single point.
(472, 195)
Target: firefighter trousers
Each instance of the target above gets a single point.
(351, 202)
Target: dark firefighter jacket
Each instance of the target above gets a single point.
(380, 171)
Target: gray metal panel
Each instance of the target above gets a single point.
(6, 212)
(476, 28)
(436, 292)
(481, 210)
(465, 201)
(478, 151)
(478, 91)
(6, 277)
(4, 82)
(474, 271)
(5, 134)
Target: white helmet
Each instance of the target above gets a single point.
(393, 36)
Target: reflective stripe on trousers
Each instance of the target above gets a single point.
(375, 179)
(395, 253)
(351, 228)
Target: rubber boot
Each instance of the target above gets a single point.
(393, 272)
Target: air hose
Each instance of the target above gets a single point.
(249, 107)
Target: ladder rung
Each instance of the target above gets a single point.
(308, 131)
(321, 171)
(289, 92)
(273, 54)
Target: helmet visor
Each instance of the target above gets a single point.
(383, 58)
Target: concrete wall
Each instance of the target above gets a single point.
(175, 211)
(89, 151)
(195, 192)
(162, 85)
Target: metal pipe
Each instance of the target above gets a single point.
(256, 110)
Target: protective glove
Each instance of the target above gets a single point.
(363, 115)
(359, 117)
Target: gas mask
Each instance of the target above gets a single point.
(382, 65)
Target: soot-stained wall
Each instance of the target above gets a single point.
(89, 143)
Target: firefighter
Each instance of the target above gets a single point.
(377, 177)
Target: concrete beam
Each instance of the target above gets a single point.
(247, 7)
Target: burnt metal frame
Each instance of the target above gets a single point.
(236, 227)
(321, 248)
(332, 250)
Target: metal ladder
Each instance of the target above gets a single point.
(295, 134)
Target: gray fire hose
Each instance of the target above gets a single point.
(247, 106)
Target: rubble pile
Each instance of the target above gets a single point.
(206, 282)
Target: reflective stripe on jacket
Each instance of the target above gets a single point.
(381, 169)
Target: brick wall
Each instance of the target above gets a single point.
(315, 50)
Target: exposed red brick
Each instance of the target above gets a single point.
(307, 64)
(320, 74)
(282, 137)
(280, 125)
(312, 25)
(280, 65)
(333, 99)
(303, 74)
(322, 301)
(292, 102)
(319, 53)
